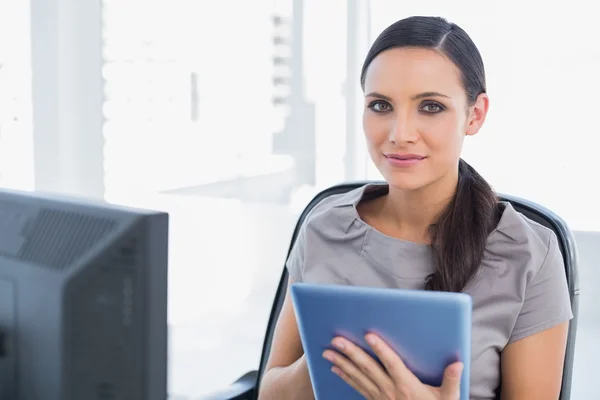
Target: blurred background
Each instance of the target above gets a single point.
(232, 114)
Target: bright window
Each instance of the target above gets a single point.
(16, 146)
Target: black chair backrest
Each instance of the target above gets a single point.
(530, 209)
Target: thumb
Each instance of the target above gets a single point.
(450, 389)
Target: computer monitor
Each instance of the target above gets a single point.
(83, 300)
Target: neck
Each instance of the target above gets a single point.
(414, 211)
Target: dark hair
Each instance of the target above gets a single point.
(459, 236)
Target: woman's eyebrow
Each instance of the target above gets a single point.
(429, 94)
(415, 97)
(379, 96)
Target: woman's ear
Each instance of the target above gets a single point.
(477, 114)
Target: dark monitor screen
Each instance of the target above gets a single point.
(83, 300)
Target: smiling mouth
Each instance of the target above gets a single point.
(404, 157)
(404, 160)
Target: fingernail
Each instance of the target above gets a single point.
(339, 344)
(371, 339)
(328, 356)
(455, 371)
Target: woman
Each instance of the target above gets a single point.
(437, 225)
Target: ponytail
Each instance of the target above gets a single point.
(459, 236)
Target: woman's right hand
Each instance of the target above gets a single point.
(390, 379)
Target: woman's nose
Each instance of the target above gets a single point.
(403, 131)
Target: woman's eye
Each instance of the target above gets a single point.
(432, 108)
(380, 106)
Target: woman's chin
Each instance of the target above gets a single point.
(405, 182)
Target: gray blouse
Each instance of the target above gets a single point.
(520, 290)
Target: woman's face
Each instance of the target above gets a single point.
(416, 116)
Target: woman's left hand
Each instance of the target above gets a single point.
(393, 381)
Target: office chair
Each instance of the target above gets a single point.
(246, 388)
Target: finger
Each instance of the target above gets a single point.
(393, 364)
(365, 363)
(350, 382)
(450, 389)
(350, 370)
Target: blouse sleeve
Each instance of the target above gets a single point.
(295, 261)
(547, 301)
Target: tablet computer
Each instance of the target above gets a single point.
(429, 330)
